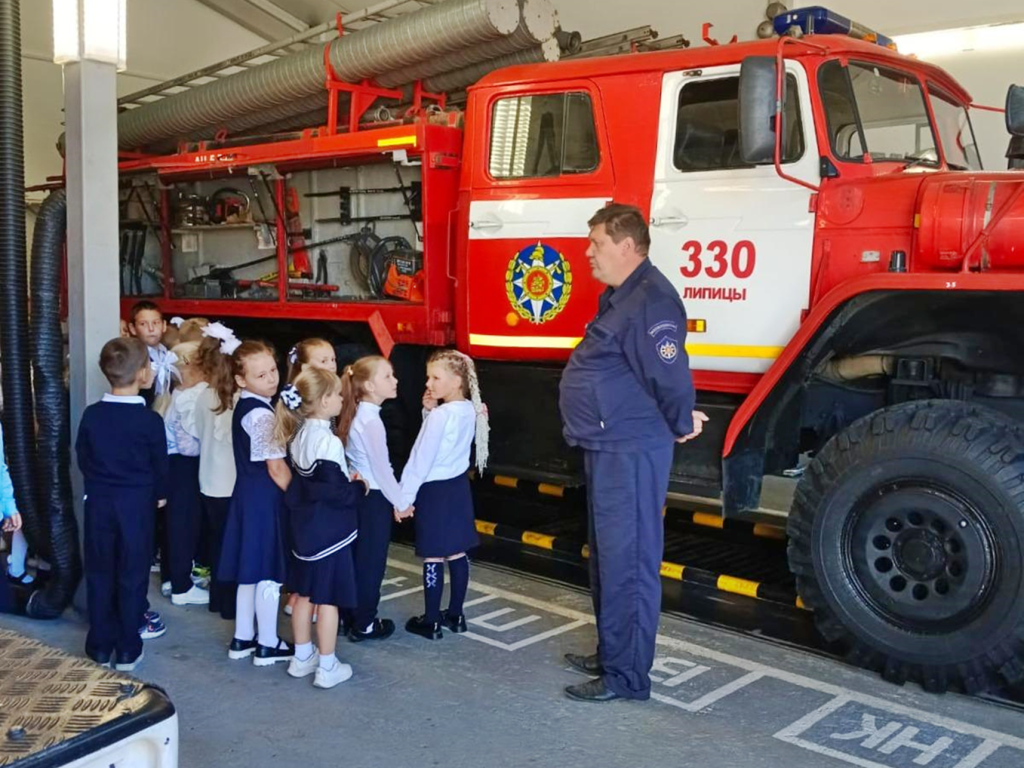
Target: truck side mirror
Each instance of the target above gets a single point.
(757, 99)
(1015, 110)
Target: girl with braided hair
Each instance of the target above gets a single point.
(435, 479)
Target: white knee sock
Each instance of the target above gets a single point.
(268, 597)
(19, 550)
(245, 612)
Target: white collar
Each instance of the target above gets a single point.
(158, 351)
(123, 399)
(246, 394)
(369, 406)
(318, 423)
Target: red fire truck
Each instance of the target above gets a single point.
(852, 277)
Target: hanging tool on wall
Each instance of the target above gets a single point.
(411, 195)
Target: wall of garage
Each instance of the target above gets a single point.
(165, 38)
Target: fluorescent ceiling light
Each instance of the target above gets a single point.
(946, 41)
(95, 30)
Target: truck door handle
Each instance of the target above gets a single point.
(485, 224)
(669, 221)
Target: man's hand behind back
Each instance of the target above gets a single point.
(699, 417)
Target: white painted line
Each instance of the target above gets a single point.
(984, 750)
(805, 722)
(401, 593)
(715, 696)
(485, 620)
(684, 647)
(479, 600)
(525, 641)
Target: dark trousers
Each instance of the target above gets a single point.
(371, 555)
(222, 594)
(625, 496)
(183, 517)
(118, 548)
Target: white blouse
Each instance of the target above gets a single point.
(315, 442)
(367, 452)
(442, 447)
(181, 439)
(259, 425)
(216, 457)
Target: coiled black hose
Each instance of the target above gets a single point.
(53, 417)
(14, 347)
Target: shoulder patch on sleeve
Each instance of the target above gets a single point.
(668, 349)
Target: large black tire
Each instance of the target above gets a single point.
(906, 538)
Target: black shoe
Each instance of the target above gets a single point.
(381, 630)
(100, 657)
(592, 690)
(419, 625)
(590, 665)
(265, 656)
(241, 649)
(456, 624)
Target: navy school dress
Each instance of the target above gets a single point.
(322, 511)
(436, 469)
(253, 549)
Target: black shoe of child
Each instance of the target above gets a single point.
(456, 624)
(381, 630)
(241, 649)
(100, 657)
(266, 656)
(419, 625)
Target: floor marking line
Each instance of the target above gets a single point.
(401, 593)
(812, 718)
(485, 620)
(800, 681)
(479, 600)
(983, 751)
(710, 698)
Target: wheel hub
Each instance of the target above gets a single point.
(921, 556)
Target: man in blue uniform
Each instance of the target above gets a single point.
(626, 398)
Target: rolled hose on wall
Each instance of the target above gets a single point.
(14, 346)
(53, 417)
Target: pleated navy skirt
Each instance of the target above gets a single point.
(328, 581)
(444, 518)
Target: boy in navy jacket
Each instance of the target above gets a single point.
(122, 452)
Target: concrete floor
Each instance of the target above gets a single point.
(493, 697)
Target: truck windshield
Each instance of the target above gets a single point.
(877, 112)
(956, 132)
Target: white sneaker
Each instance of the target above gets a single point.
(130, 665)
(165, 589)
(299, 668)
(194, 596)
(328, 678)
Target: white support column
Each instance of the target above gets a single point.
(90, 106)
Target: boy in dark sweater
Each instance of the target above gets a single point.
(122, 452)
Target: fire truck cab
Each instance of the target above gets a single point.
(852, 279)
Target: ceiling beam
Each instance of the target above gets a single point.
(262, 17)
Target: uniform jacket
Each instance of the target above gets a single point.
(627, 385)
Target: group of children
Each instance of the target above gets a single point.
(298, 493)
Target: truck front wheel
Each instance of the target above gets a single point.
(906, 538)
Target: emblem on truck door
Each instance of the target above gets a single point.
(538, 282)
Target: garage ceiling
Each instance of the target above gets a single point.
(277, 19)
